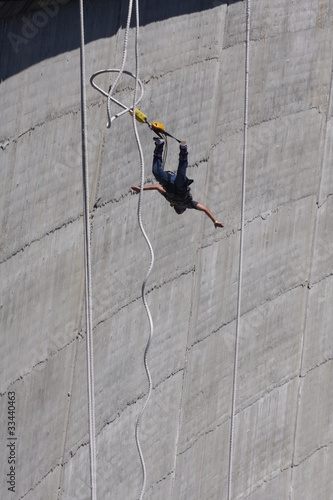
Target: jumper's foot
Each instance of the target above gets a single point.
(158, 141)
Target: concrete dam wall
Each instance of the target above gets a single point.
(192, 64)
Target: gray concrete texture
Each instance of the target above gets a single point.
(192, 64)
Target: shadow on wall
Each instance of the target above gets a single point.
(49, 28)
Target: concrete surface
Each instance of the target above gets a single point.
(192, 64)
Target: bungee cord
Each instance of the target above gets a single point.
(150, 386)
(114, 86)
(241, 247)
(138, 89)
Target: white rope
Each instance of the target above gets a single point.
(88, 288)
(150, 385)
(114, 86)
(111, 97)
(241, 246)
(136, 100)
(120, 72)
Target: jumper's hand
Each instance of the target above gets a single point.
(218, 224)
(136, 189)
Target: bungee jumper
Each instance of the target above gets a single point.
(175, 187)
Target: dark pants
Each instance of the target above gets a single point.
(162, 177)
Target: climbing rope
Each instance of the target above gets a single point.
(241, 246)
(88, 288)
(137, 115)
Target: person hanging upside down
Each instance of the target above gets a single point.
(175, 187)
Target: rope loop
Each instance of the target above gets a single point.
(109, 94)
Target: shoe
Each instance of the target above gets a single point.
(183, 147)
(158, 141)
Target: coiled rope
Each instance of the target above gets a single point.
(136, 100)
(241, 247)
(87, 256)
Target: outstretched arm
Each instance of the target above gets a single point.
(202, 208)
(150, 187)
